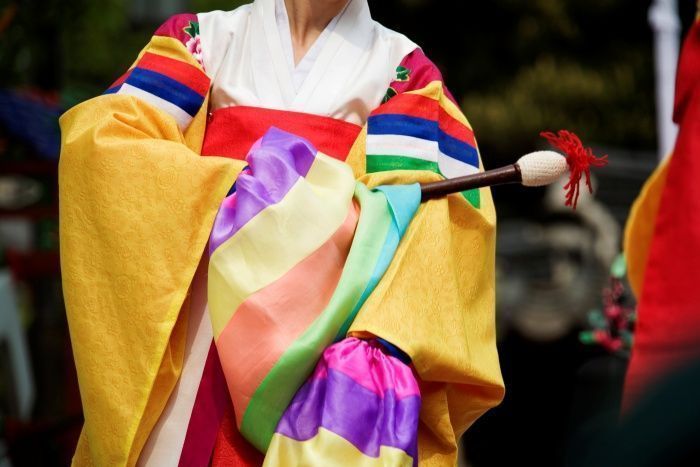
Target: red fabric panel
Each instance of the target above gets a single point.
(422, 72)
(175, 27)
(182, 72)
(212, 436)
(232, 131)
(232, 450)
(207, 414)
(668, 329)
(688, 75)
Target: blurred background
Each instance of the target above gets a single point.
(565, 317)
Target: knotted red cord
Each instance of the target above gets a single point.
(579, 158)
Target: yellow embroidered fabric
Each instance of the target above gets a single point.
(137, 203)
(436, 303)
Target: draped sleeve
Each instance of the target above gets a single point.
(435, 302)
(137, 203)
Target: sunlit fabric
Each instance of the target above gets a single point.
(137, 203)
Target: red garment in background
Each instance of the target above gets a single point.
(668, 328)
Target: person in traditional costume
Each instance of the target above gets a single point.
(249, 275)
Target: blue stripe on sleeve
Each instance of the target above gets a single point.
(405, 125)
(459, 150)
(167, 89)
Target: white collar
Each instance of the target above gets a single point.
(337, 56)
(301, 70)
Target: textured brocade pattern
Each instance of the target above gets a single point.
(136, 206)
(441, 283)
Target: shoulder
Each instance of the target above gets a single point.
(413, 69)
(183, 27)
(416, 71)
(224, 22)
(186, 26)
(398, 44)
(198, 32)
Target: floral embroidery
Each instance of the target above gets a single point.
(194, 46)
(403, 74)
(194, 43)
(192, 29)
(391, 92)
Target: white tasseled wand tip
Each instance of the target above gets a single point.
(542, 168)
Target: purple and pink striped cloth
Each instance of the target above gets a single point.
(360, 407)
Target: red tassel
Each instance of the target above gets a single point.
(580, 160)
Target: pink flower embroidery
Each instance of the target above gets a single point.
(194, 46)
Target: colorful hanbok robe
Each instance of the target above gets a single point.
(145, 171)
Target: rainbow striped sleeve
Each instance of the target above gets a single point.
(168, 74)
(420, 127)
(294, 253)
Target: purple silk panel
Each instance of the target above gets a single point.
(361, 394)
(275, 163)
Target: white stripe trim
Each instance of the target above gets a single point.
(182, 118)
(418, 148)
(405, 146)
(451, 168)
(165, 443)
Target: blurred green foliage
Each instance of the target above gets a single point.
(211, 5)
(610, 105)
(519, 68)
(77, 46)
(585, 65)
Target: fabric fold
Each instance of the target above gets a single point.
(360, 395)
(296, 251)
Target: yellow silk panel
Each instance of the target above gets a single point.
(137, 204)
(436, 303)
(640, 226)
(328, 449)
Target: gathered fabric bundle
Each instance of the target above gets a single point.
(360, 407)
(294, 253)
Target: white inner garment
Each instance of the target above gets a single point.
(300, 71)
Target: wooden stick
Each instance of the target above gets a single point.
(508, 174)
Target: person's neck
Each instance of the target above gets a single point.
(307, 20)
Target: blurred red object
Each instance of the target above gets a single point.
(668, 330)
